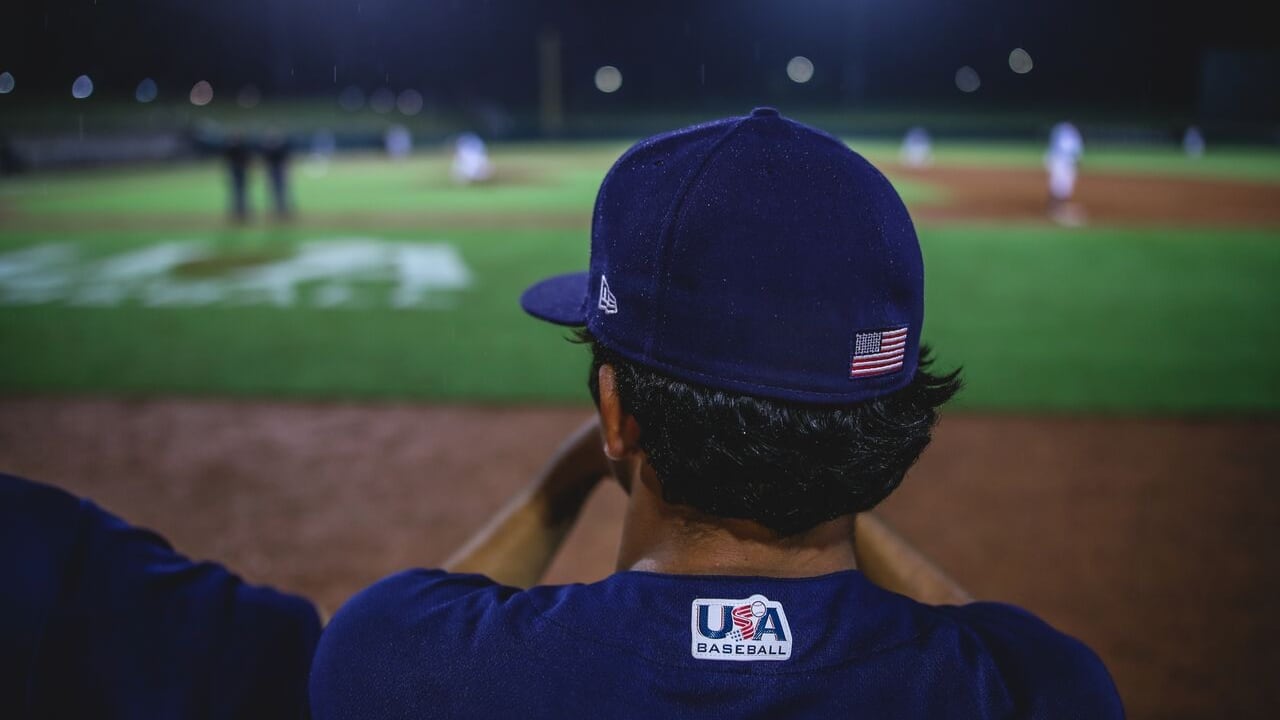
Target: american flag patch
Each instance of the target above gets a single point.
(878, 352)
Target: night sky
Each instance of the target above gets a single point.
(1141, 56)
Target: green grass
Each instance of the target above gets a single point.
(1131, 320)
(479, 351)
(485, 349)
(531, 179)
(1107, 320)
(1042, 319)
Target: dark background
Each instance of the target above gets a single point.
(1210, 61)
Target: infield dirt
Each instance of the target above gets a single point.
(1108, 198)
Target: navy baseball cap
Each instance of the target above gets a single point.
(754, 254)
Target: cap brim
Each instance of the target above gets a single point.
(560, 299)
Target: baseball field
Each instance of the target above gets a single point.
(323, 400)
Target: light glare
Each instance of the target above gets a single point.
(82, 87)
(1020, 61)
(147, 91)
(201, 93)
(967, 79)
(409, 102)
(608, 79)
(800, 69)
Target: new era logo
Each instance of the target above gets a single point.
(608, 303)
(753, 628)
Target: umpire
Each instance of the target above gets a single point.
(753, 310)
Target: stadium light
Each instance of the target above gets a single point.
(6, 83)
(201, 93)
(967, 79)
(608, 79)
(82, 87)
(800, 69)
(146, 91)
(409, 103)
(1020, 61)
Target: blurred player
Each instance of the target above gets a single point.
(9, 162)
(917, 148)
(323, 147)
(398, 142)
(237, 153)
(470, 160)
(276, 149)
(102, 619)
(1193, 142)
(1061, 161)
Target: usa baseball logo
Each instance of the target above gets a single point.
(753, 628)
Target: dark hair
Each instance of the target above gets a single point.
(788, 466)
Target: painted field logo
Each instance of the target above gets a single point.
(753, 628)
(352, 272)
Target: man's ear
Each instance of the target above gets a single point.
(621, 431)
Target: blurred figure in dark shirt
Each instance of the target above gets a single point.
(101, 619)
(276, 149)
(238, 153)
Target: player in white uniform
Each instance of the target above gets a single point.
(917, 148)
(470, 160)
(398, 142)
(1193, 142)
(1065, 148)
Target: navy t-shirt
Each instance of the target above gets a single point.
(99, 619)
(427, 643)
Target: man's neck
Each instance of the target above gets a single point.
(659, 537)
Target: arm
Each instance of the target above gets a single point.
(517, 546)
(894, 564)
(100, 618)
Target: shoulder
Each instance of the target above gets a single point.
(109, 604)
(38, 528)
(393, 647)
(409, 598)
(1048, 673)
(71, 552)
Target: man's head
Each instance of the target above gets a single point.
(787, 466)
(755, 300)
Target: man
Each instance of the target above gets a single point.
(917, 148)
(238, 153)
(471, 162)
(100, 619)
(398, 142)
(753, 308)
(1193, 142)
(276, 149)
(1060, 161)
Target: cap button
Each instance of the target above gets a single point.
(764, 112)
